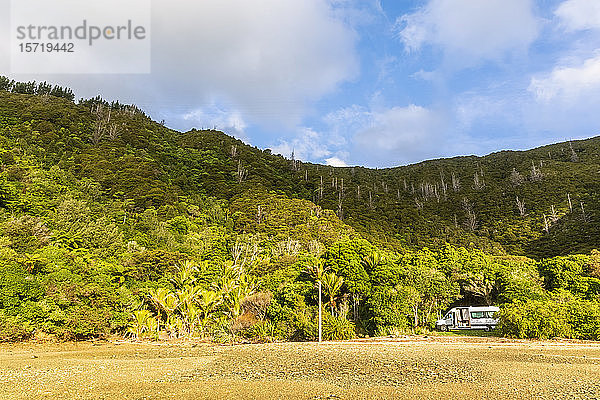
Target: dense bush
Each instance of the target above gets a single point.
(389, 309)
(98, 214)
(14, 328)
(337, 328)
(584, 318)
(534, 319)
(564, 315)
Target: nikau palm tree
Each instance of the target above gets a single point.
(191, 308)
(332, 284)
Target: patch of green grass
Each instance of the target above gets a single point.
(475, 332)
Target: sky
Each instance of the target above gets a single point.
(377, 83)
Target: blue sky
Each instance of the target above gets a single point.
(374, 83)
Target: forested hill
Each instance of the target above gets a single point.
(539, 203)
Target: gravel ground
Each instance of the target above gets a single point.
(411, 367)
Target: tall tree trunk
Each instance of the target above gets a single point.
(416, 315)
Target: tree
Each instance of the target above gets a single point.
(478, 277)
(208, 301)
(594, 264)
(516, 179)
(316, 269)
(471, 218)
(521, 207)
(332, 285)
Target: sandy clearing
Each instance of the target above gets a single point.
(409, 367)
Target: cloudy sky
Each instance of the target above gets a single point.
(373, 82)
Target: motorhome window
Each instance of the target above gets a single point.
(490, 314)
(478, 314)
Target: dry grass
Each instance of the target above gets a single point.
(413, 367)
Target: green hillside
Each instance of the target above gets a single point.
(113, 223)
(469, 201)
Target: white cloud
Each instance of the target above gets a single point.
(564, 102)
(306, 145)
(389, 136)
(569, 84)
(269, 59)
(471, 30)
(335, 162)
(473, 109)
(216, 117)
(4, 36)
(579, 14)
(511, 117)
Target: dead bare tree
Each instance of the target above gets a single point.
(574, 157)
(443, 185)
(294, 162)
(570, 203)
(536, 173)
(521, 207)
(455, 182)
(516, 179)
(584, 216)
(101, 123)
(242, 173)
(259, 214)
(478, 182)
(428, 190)
(113, 131)
(553, 215)
(321, 188)
(419, 204)
(471, 217)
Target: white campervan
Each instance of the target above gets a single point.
(468, 318)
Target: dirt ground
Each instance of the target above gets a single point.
(404, 368)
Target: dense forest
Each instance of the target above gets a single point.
(111, 223)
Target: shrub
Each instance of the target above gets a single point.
(14, 328)
(584, 317)
(257, 304)
(534, 319)
(389, 310)
(221, 331)
(337, 328)
(83, 322)
(265, 331)
(17, 287)
(26, 233)
(303, 326)
(144, 326)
